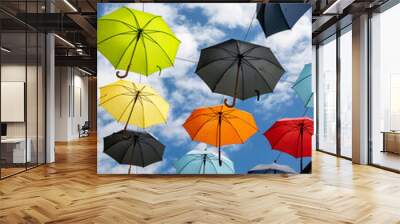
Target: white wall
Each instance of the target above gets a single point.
(71, 94)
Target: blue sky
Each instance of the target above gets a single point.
(199, 25)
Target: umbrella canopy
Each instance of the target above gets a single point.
(239, 69)
(273, 168)
(133, 148)
(136, 41)
(292, 136)
(203, 162)
(133, 103)
(274, 17)
(220, 125)
(303, 87)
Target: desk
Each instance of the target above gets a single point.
(391, 141)
(18, 149)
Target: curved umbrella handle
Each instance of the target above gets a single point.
(121, 76)
(230, 105)
(159, 68)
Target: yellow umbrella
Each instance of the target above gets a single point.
(134, 104)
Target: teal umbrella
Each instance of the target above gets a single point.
(203, 162)
(303, 86)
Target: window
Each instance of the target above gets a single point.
(385, 89)
(22, 75)
(346, 93)
(327, 96)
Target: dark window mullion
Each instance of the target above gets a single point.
(338, 92)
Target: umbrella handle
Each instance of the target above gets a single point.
(230, 105)
(258, 94)
(159, 68)
(121, 76)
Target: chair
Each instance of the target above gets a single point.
(84, 130)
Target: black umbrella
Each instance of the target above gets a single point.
(239, 69)
(133, 148)
(274, 17)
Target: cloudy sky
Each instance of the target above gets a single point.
(199, 25)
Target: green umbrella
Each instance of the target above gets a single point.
(136, 41)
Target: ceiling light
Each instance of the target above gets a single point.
(337, 7)
(65, 41)
(5, 50)
(70, 5)
(84, 71)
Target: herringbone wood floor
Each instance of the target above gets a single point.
(70, 191)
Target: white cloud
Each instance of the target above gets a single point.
(231, 15)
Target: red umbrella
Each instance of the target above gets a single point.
(292, 136)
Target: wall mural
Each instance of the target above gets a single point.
(204, 88)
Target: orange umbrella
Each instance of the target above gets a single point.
(220, 125)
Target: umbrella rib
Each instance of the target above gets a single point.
(186, 164)
(119, 85)
(111, 98)
(115, 20)
(107, 100)
(307, 130)
(202, 126)
(227, 120)
(210, 62)
(145, 56)
(201, 164)
(126, 49)
(115, 35)
(223, 74)
(233, 54)
(141, 102)
(301, 80)
(162, 49)
(126, 108)
(133, 15)
(297, 145)
(237, 46)
(262, 77)
(243, 85)
(150, 20)
(250, 49)
(309, 98)
(165, 119)
(224, 162)
(215, 168)
(141, 153)
(279, 139)
(237, 117)
(285, 19)
(199, 115)
(160, 31)
(154, 149)
(248, 57)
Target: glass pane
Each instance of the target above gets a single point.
(31, 99)
(13, 87)
(41, 99)
(346, 94)
(327, 96)
(385, 83)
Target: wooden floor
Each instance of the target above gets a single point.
(70, 191)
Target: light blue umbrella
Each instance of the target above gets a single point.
(203, 162)
(272, 168)
(303, 86)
